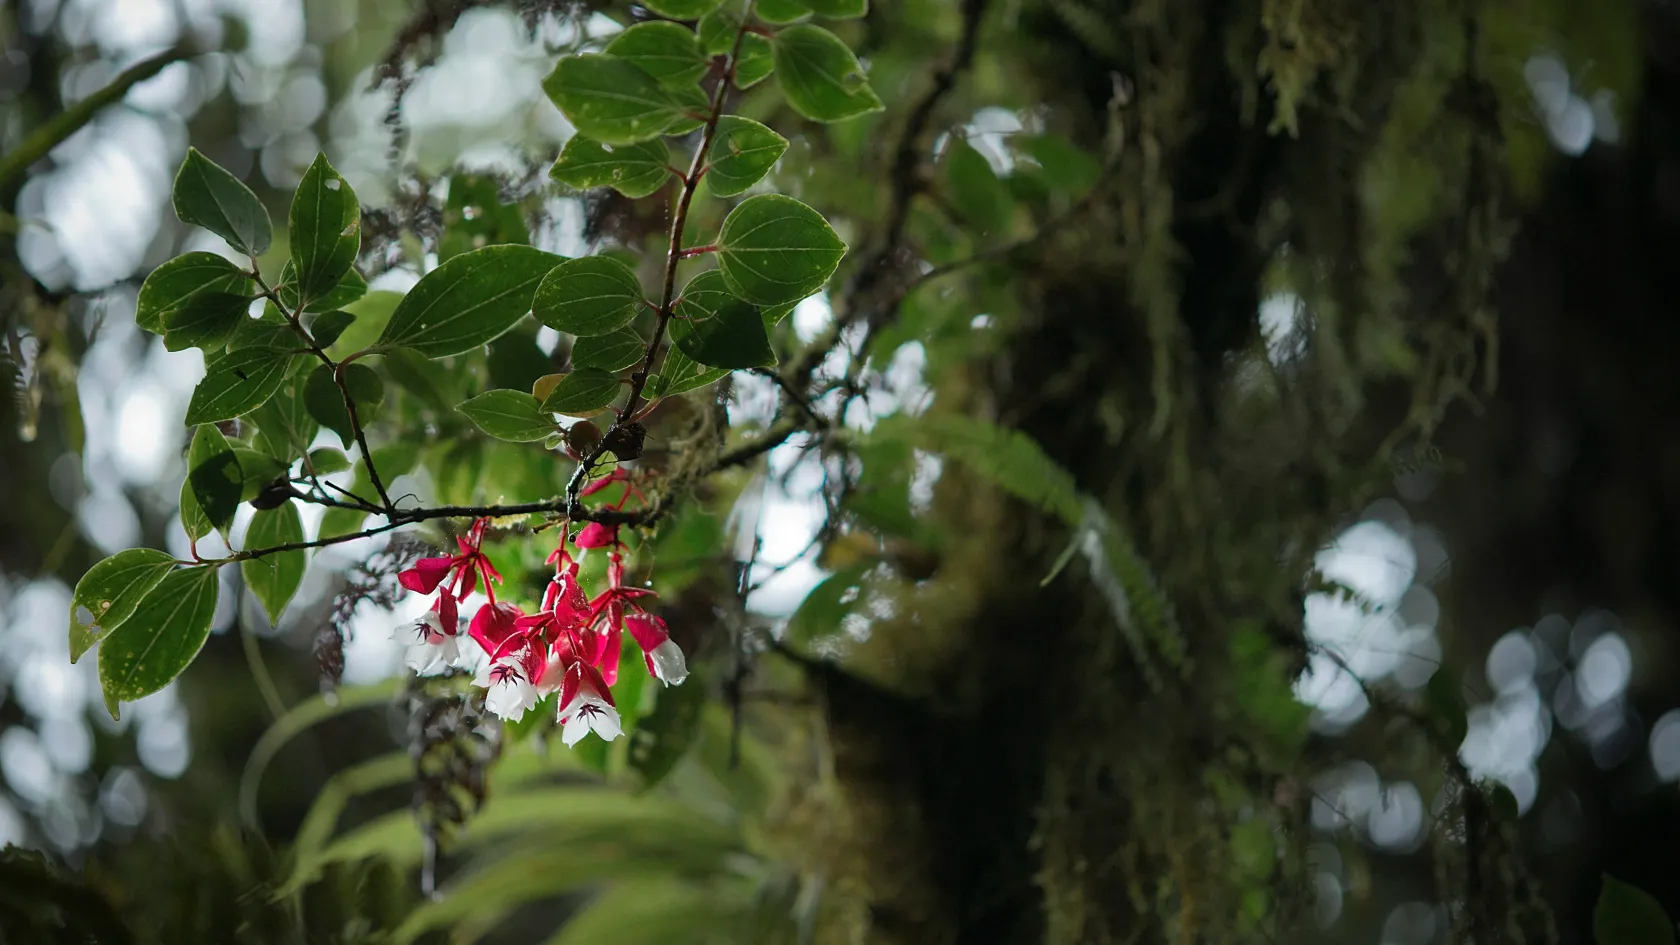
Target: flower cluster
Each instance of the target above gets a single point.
(570, 644)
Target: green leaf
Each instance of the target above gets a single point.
(325, 401)
(977, 193)
(717, 329)
(327, 460)
(667, 51)
(160, 638)
(418, 375)
(610, 99)
(510, 415)
(1628, 915)
(680, 374)
(610, 352)
(634, 170)
(207, 195)
(274, 578)
(373, 312)
(774, 249)
(206, 320)
(269, 331)
(210, 494)
(758, 60)
(820, 614)
(328, 326)
(349, 289)
(474, 216)
(172, 285)
(237, 384)
(256, 470)
(582, 393)
(468, 301)
(681, 9)
(838, 9)
(820, 77)
(1063, 164)
(326, 229)
(781, 12)
(284, 426)
(666, 733)
(592, 295)
(108, 593)
(742, 153)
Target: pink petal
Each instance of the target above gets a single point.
(596, 535)
(617, 475)
(449, 619)
(426, 574)
(648, 630)
(609, 660)
(494, 623)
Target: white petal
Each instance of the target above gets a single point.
(510, 698)
(449, 651)
(669, 664)
(421, 657)
(606, 723)
(576, 727)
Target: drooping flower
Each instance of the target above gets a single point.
(428, 574)
(493, 624)
(586, 704)
(512, 676)
(596, 535)
(664, 658)
(432, 639)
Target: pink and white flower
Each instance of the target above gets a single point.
(586, 705)
(432, 639)
(664, 658)
(512, 676)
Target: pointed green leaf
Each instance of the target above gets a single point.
(214, 479)
(667, 51)
(838, 9)
(775, 249)
(257, 470)
(325, 401)
(172, 285)
(108, 593)
(327, 460)
(274, 578)
(634, 170)
(758, 60)
(717, 31)
(417, 374)
(681, 9)
(207, 195)
(206, 321)
(271, 330)
(582, 393)
(717, 329)
(610, 99)
(328, 326)
(679, 374)
(819, 75)
(781, 12)
(470, 300)
(284, 426)
(238, 383)
(695, 103)
(592, 295)
(610, 352)
(1628, 915)
(742, 153)
(326, 229)
(511, 415)
(160, 638)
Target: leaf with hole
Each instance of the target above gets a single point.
(468, 301)
(582, 393)
(238, 383)
(634, 170)
(742, 153)
(172, 285)
(326, 230)
(275, 578)
(325, 401)
(774, 249)
(667, 51)
(610, 99)
(615, 351)
(109, 592)
(207, 320)
(592, 295)
(207, 195)
(160, 638)
(820, 77)
(510, 415)
(717, 329)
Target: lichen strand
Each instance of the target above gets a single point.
(1261, 146)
